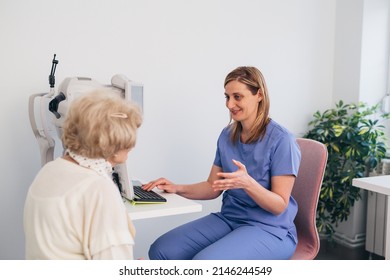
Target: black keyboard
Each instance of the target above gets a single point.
(140, 195)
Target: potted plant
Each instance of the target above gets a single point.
(356, 142)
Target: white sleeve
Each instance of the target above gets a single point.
(121, 252)
(107, 224)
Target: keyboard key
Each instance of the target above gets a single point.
(147, 196)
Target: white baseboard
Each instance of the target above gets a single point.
(357, 241)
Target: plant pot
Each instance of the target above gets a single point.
(352, 232)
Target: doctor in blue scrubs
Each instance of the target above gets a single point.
(255, 166)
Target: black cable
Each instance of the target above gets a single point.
(52, 79)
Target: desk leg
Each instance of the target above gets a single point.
(387, 227)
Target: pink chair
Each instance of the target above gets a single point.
(306, 192)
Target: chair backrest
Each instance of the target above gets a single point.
(306, 192)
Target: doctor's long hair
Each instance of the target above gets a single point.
(255, 82)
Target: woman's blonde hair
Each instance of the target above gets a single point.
(101, 123)
(255, 82)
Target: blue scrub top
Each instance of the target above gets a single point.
(277, 153)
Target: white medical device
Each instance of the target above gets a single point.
(47, 112)
(71, 88)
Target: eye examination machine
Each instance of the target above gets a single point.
(47, 112)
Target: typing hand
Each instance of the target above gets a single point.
(162, 184)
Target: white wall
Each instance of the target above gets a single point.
(181, 51)
(362, 47)
(375, 50)
(347, 53)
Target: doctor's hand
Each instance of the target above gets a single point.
(239, 179)
(162, 184)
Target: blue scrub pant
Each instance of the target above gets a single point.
(212, 238)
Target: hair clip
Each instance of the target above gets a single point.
(119, 115)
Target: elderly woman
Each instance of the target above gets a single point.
(73, 209)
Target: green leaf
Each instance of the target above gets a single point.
(363, 131)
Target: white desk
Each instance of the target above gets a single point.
(379, 184)
(175, 205)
